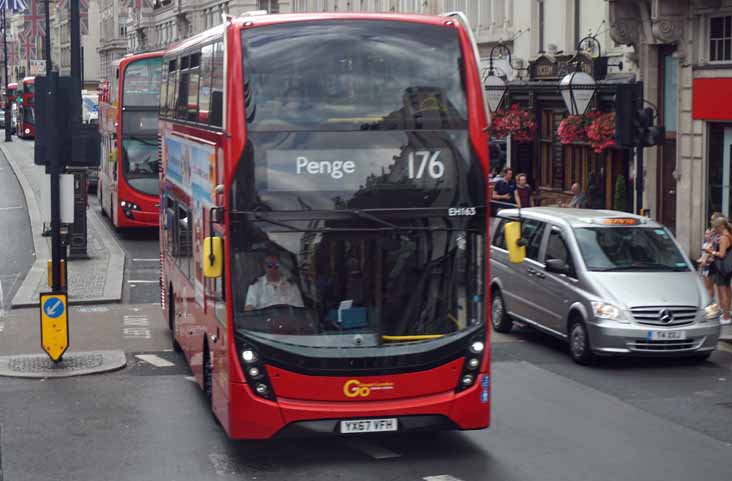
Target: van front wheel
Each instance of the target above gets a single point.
(579, 344)
(499, 317)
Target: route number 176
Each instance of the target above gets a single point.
(424, 160)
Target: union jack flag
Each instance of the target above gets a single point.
(84, 16)
(35, 21)
(28, 49)
(13, 5)
(138, 4)
(83, 13)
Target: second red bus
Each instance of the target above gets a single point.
(128, 187)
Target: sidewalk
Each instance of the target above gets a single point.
(94, 280)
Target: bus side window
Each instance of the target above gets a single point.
(204, 87)
(217, 86)
(181, 107)
(172, 84)
(194, 75)
(164, 89)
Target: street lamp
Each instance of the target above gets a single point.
(495, 86)
(577, 89)
(8, 107)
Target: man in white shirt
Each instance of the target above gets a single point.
(272, 288)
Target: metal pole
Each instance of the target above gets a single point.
(639, 178)
(55, 171)
(78, 231)
(8, 107)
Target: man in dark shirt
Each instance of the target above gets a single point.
(504, 188)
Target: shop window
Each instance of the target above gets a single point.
(720, 39)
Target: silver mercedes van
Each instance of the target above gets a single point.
(607, 282)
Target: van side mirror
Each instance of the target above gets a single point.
(515, 245)
(213, 257)
(557, 266)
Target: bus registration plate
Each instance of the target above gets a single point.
(368, 425)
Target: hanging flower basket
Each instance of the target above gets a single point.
(517, 123)
(573, 129)
(601, 131)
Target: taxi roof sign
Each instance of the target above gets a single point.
(54, 324)
(616, 220)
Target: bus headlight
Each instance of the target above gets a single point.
(249, 356)
(477, 347)
(712, 312)
(26, 131)
(255, 372)
(473, 359)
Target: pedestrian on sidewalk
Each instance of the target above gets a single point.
(721, 269)
(711, 241)
(522, 194)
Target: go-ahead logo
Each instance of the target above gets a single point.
(354, 388)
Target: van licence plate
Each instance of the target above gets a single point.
(368, 425)
(666, 335)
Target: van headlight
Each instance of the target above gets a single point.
(604, 310)
(712, 312)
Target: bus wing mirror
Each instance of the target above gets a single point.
(217, 215)
(213, 257)
(516, 246)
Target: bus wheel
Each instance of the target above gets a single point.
(100, 197)
(207, 386)
(171, 320)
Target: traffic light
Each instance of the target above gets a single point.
(633, 123)
(627, 122)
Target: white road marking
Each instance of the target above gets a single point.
(2, 326)
(15, 207)
(373, 450)
(190, 378)
(136, 327)
(143, 282)
(724, 346)
(146, 260)
(156, 361)
(441, 477)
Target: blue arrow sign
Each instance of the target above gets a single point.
(53, 307)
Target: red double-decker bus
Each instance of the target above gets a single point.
(11, 95)
(128, 189)
(324, 225)
(27, 121)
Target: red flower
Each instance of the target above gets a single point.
(515, 122)
(573, 129)
(601, 132)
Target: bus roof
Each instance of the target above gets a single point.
(132, 57)
(275, 19)
(28, 80)
(13, 85)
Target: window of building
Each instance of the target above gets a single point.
(720, 39)
(272, 6)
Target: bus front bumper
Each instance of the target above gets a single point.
(252, 417)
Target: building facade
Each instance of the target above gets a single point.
(684, 54)
(112, 34)
(90, 42)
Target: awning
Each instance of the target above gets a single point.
(712, 99)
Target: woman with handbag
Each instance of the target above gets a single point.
(721, 268)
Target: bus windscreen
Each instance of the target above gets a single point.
(141, 86)
(355, 75)
(322, 288)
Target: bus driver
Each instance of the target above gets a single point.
(272, 288)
